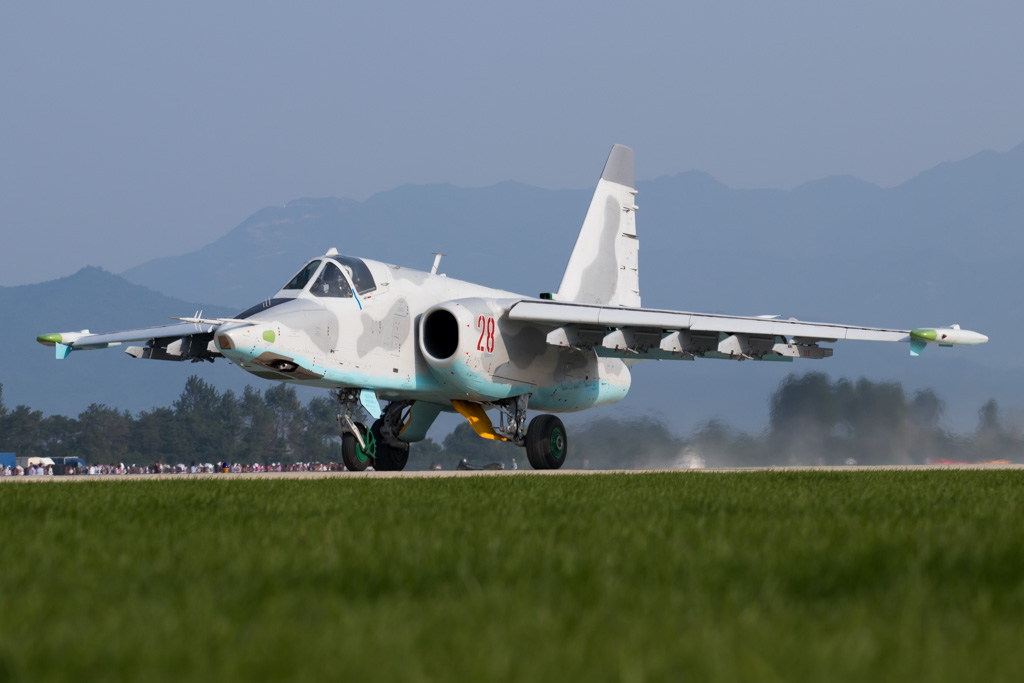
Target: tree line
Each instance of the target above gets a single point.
(813, 420)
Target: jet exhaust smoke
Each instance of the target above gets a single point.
(814, 420)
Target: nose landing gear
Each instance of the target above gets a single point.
(377, 447)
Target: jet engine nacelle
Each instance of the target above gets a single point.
(463, 344)
(472, 348)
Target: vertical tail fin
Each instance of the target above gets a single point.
(603, 267)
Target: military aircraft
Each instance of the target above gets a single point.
(423, 343)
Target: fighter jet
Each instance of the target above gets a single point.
(398, 346)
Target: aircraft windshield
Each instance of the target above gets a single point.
(331, 283)
(357, 271)
(303, 276)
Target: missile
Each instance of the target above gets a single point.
(943, 336)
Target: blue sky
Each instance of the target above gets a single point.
(130, 130)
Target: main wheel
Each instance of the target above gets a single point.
(389, 458)
(546, 443)
(355, 457)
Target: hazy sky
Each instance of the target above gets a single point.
(130, 130)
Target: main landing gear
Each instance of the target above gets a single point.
(546, 443)
(377, 447)
(545, 440)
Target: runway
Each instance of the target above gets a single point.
(447, 474)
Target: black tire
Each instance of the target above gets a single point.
(389, 458)
(535, 463)
(355, 458)
(546, 443)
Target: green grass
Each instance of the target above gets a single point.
(763, 576)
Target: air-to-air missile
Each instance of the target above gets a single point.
(943, 336)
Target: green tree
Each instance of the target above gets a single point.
(198, 411)
(232, 424)
(103, 435)
(288, 420)
(427, 452)
(21, 431)
(156, 436)
(59, 435)
(259, 440)
(320, 441)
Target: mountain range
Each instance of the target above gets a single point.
(942, 248)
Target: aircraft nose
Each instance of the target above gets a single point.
(244, 337)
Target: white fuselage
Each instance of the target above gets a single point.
(374, 340)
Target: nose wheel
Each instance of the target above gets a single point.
(357, 457)
(546, 443)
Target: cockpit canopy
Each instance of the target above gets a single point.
(303, 277)
(333, 277)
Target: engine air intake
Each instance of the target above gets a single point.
(440, 334)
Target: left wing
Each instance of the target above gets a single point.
(649, 333)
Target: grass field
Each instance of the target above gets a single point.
(817, 576)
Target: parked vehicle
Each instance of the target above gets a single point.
(64, 466)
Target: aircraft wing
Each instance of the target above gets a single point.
(190, 340)
(650, 333)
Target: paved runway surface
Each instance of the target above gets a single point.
(435, 474)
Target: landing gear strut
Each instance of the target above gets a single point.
(378, 446)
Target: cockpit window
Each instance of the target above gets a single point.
(303, 276)
(331, 283)
(357, 271)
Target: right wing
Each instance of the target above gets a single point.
(188, 340)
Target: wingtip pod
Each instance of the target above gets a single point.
(56, 340)
(50, 339)
(62, 342)
(943, 336)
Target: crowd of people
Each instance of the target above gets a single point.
(33, 470)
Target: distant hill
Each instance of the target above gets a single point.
(490, 235)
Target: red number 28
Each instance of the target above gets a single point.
(486, 341)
